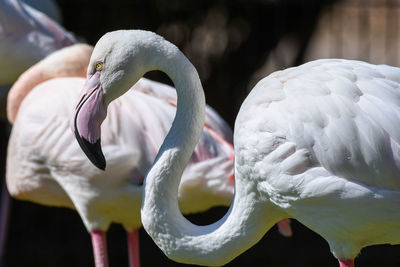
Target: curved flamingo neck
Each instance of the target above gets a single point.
(182, 241)
(70, 61)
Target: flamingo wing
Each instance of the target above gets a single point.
(343, 114)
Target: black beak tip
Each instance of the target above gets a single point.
(93, 151)
(101, 164)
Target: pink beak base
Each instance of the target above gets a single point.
(90, 113)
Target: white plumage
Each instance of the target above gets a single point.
(332, 131)
(318, 143)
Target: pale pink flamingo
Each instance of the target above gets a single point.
(45, 164)
(26, 36)
(318, 142)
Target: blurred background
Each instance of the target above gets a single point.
(232, 44)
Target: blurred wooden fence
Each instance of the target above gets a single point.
(367, 30)
(359, 29)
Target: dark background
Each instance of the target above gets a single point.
(228, 42)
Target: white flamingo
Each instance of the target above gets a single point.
(45, 164)
(318, 143)
(26, 36)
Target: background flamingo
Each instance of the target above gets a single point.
(26, 36)
(36, 166)
(318, 143)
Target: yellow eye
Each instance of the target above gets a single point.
(99, 66)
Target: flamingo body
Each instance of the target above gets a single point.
(331, 128)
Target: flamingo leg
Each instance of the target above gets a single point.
(4, 217)
(133, 248)
(346, 263)
(99, 242)
(5, 201)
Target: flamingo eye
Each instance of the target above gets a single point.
(99, 66)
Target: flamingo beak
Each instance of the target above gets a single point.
(89, 115)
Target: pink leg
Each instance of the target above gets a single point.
(284, 227)
(346, 263)
(99, 242)
(133, 248)
(4, 217)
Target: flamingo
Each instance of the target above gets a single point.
(317, 142)
(26, 36)
(45, 164)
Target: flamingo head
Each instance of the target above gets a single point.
(113, 68)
